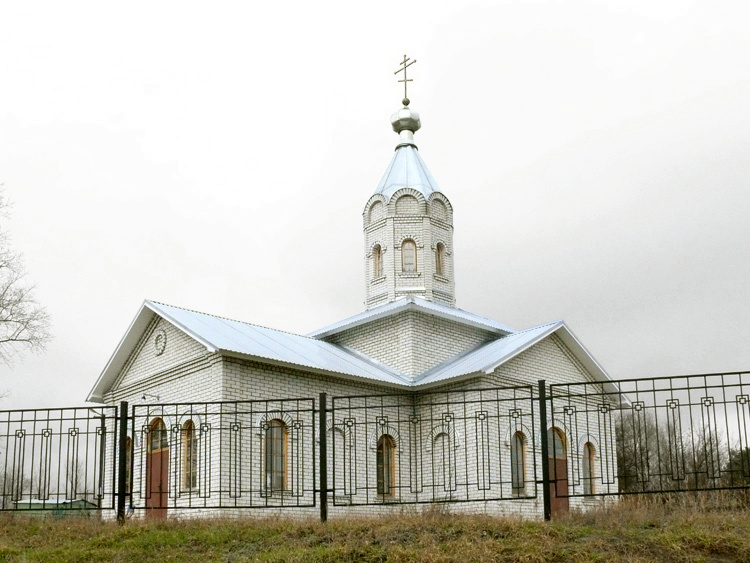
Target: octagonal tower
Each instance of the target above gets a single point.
(408, 226)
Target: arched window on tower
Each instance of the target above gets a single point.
(189, 457)
(386, 466)
(440, 259)
(408, 256)
(377, 262)
(276, 455)
(588, 468)
(518, 464)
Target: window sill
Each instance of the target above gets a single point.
(441, 278)
(376, 281)
(410, 275)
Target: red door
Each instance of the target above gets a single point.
(157, 471)
(558, 472)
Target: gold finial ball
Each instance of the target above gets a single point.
(405, 101)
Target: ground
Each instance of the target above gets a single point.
(651, 532)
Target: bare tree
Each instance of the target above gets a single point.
(24, 323)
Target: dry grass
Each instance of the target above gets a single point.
(656, 530)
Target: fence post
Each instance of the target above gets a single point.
(545, 449)
(323, 485)
(121, 461)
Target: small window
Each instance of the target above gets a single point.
(386, 466)
(409, 256)
(159, 439)
(189, 457)
(128, 465)
(276, 454)
(588, 469)
(440, 259)
(518, 465)
(377, 262)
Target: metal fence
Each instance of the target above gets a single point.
(576, 443)
(656, 435)
(55, 459)
(449, 446)
(239, 454)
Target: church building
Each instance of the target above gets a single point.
(427, 402)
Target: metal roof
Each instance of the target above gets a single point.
(416, 304)
(250, 341)
(488, 356)
(407, 170)
(266, 343)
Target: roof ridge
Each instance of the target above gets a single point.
(234, 320)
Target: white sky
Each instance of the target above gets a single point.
(217, 156)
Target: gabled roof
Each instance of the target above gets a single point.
(488, 357)
(246, 340)
(414, 303)
(267, 345)
(407, 170)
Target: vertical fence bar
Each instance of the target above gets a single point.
(323, 486)
(121, 461)
(545, 449)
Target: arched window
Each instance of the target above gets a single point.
(158, 438)
(128, 465)
(556, 444)
(408, 256)
(276, 444)
(440, 259)
(377, 261)
(386, 466)
(518, 464)
(189, 457)
(588, 468)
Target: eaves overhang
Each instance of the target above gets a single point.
(413, 303)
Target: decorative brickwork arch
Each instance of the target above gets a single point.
(445, 427)
(382, 428)
(411, 192)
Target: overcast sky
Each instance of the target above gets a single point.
(217, 156)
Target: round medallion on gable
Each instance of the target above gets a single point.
(160, 342)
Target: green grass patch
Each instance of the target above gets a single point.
(623, 533)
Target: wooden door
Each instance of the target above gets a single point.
(558, 472)
(157, 471)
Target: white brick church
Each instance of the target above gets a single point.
(411, 341)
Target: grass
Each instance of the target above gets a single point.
(651, 531)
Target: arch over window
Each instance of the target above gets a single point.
(276, 455)
(440, 259)
(518, 464)
(386, 466)
(377, 261)
(158, 438)
(189, 457)
(587, 468)
(409, 256)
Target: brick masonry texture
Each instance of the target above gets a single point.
(411, 341)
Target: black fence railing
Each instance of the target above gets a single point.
(239, 454)
(449, 446)
(582, 442)
(657, 435)
(54, 460)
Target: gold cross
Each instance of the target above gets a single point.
(404, 66)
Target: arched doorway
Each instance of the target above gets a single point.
(157, 470)
(558, 471)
